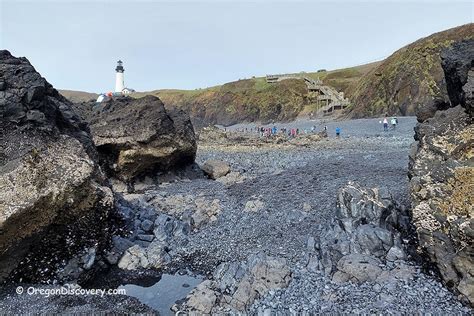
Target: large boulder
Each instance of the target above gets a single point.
(138, 136)
(215, 169)
(441, 175)
(54, 203)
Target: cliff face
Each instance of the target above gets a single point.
(243, 100)
(408, 81)
(441, 175)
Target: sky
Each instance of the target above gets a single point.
(196, 44)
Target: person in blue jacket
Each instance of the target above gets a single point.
(338, 131)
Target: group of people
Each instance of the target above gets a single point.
(393, 122)
(293, 132)
(271, 131)
(290, 132)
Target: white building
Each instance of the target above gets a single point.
(119, 80)
(127, 91)
(120, 88)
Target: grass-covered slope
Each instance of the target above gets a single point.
(255, 99)
(410, 78)
(243, 100)
(78, 96)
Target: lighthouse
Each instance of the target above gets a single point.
(119, 81)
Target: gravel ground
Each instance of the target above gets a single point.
(312, 292)
(287, 181)
(357, 128)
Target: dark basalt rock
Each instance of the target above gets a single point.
(368, 225)
(54, 203)
(135, 137)
(441, 176)
(458, 62)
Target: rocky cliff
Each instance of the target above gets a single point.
(54, 203)
(441, 175)
(243, 100)
(408, 81)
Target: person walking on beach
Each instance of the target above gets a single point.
(393, 121)
(385, 124)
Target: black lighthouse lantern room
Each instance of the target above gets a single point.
(119, 67)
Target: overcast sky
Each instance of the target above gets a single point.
(187, 45)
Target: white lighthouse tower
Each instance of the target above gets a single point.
(119, 81)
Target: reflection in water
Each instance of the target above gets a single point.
(163, 294)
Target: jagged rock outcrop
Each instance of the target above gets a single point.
(441, 175)
(366, 233)
(138, 136)
(410, 81)
(235, 286)
(458, 69)
(54, 203)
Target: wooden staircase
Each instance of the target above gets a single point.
(328, 98)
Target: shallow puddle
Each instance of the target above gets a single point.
(163, 294)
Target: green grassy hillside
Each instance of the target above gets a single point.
(409, 79)
(255, 99)
(243, 100)
(78, 96)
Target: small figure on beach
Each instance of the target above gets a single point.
(293, 132)
(338, 131)
(394, 122)
(385, 124)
